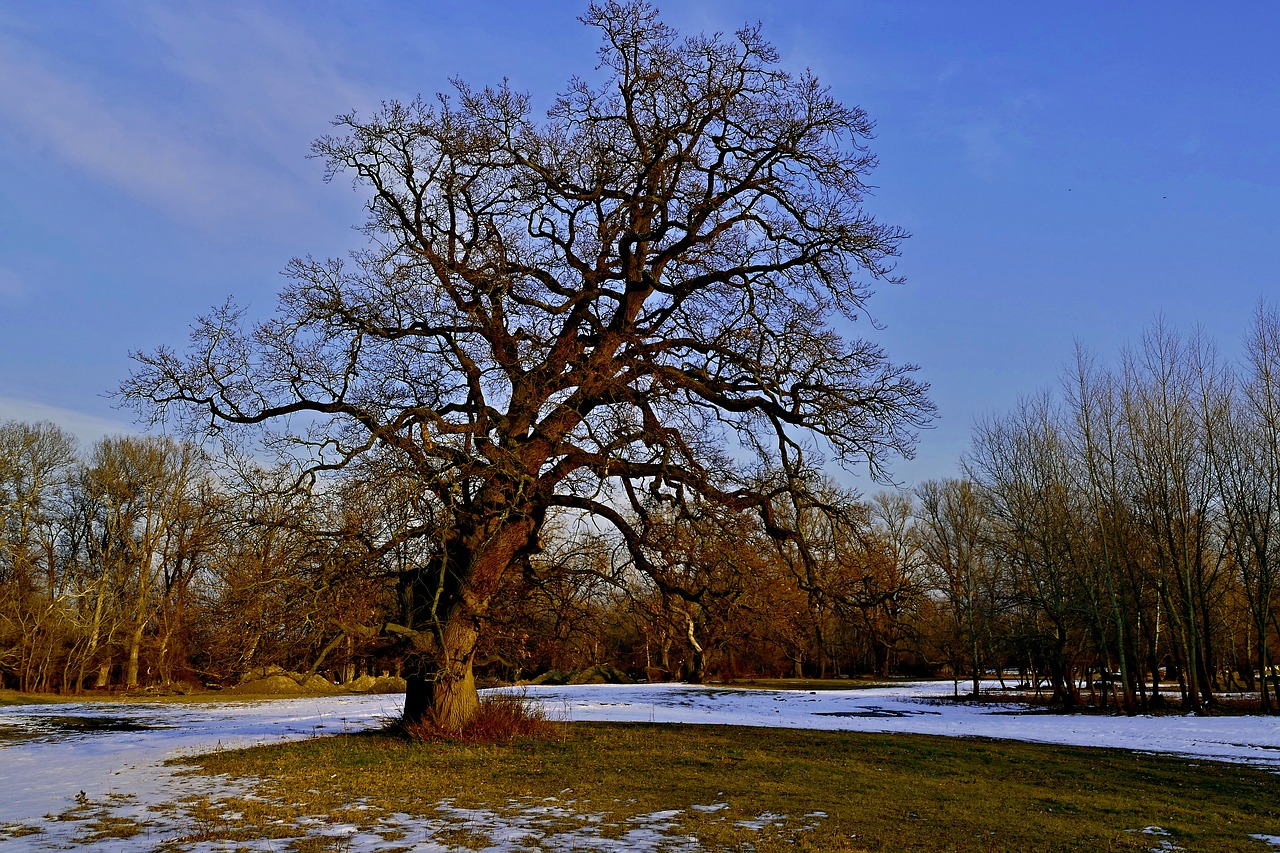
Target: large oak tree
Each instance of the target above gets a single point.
(644, 296)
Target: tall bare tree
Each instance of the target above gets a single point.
(1022, 462)
(636, 293)
(957, 541)
(1096, 430)
(1246, 453)
(36, 465)
(1175, 498)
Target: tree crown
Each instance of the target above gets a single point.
(638, 289)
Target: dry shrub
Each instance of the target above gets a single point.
(501, 718)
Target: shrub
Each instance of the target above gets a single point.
(502, 718)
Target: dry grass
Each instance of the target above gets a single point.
(502, 718)
(762, 789)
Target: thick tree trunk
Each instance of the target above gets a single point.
(442, 692)
(441, 687)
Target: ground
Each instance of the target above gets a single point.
(751, 778)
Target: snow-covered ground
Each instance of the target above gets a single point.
(920, 707)
(100, 748)
(110, 755)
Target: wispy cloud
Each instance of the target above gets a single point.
(115, 142)
(252, 93)
(263, 73)
(87, 428)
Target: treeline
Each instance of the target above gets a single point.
(146, 561)
(1116, 541)
(1129, 524)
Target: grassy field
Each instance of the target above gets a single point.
(737, 788)
(724, 788)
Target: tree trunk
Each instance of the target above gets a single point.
(693, 673)
(135, 646)
(1262, 668)
(977, 670)
(443, 690)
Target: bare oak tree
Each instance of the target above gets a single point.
(638, 294)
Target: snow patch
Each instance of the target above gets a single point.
(764, 819)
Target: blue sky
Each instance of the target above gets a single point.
(1067, 173)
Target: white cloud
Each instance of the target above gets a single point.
(87, 428)
(232, 146)
(259, 72)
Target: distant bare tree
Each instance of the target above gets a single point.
(144, 533)
(1246, 453)
(36, 467)
(956, 539)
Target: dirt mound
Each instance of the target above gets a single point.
(601, 673)
(553, 678)
(260, 673)
(282, 683)
(380, 684)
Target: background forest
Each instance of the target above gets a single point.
(1110, 540)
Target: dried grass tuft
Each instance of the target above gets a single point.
(501, 718)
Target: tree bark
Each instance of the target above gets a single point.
(443, 690)
(135, 647)
(447, 601)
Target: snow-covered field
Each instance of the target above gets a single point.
(108, 757)
(919, 707)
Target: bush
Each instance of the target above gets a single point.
(502, 718)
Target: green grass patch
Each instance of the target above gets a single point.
(737, 788)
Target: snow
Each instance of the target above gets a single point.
(82, 760)
(57, 768)
(917, 707)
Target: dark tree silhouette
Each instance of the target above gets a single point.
(634, 299)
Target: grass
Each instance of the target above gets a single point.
(761, 789)
(501, 718)
(728, 788)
